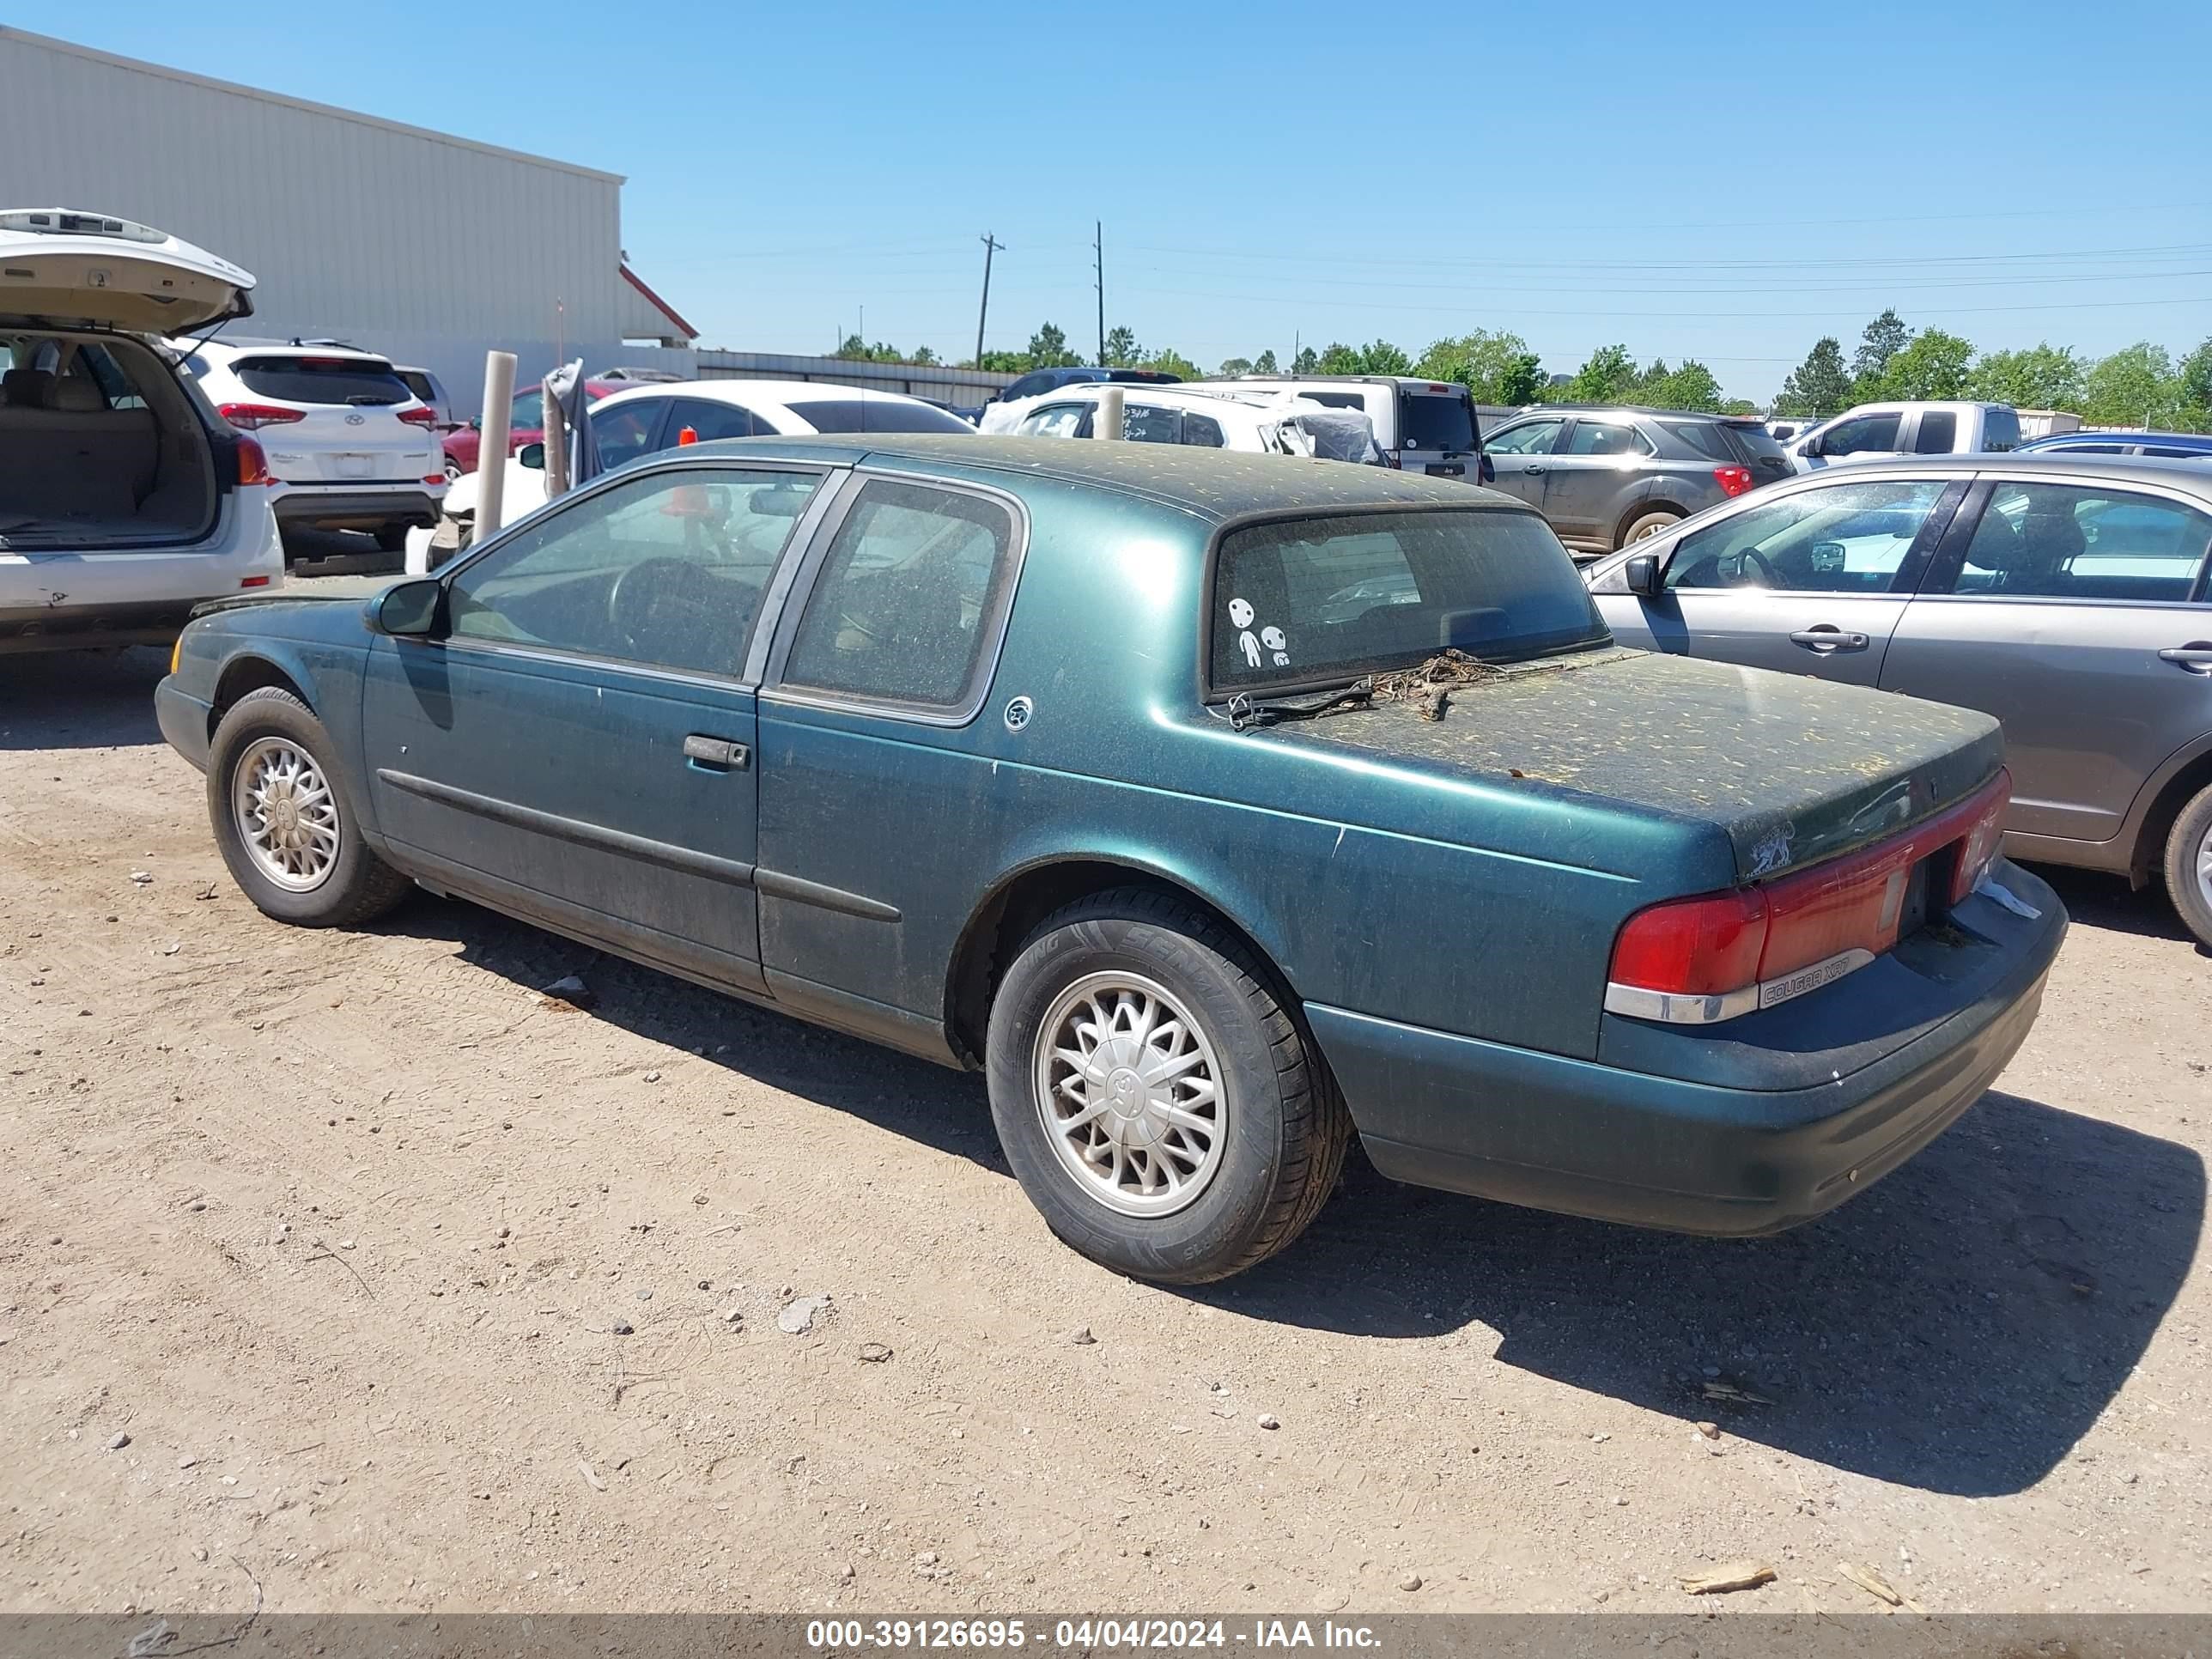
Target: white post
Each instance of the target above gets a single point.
(491, 447)
(1106, 419)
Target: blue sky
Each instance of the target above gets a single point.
(1727, 183)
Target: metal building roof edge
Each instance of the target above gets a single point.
(8, 32)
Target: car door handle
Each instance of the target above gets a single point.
(2196, 657)
(1533, 471)
(720, 754)
(1828, 640)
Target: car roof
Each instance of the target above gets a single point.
(2102, 469)
(2098, 435)
(252, 347)
(1211, 485)
(1642, 408)
(781, 393)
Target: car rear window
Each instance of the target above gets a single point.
(855, 415)
(1432, 420)
(321, 380)
(2001, 428)
(1705, 438)
(1756, 442)
(1306, 601)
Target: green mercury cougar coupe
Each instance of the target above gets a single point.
(1216, 808)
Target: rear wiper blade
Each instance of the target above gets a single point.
(1245, 713)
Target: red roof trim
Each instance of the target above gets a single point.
(659, 304)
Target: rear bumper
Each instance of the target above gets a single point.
(1691, 1156)
(355, 506)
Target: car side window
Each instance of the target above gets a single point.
(1030, 386)
(667, 569)
(2085, 541)
(1939, 432)
(711, 421)
(625, 431)
(527, 411)
(1606, 438)
(1530, 438)
(1149, 423)
(1202, 430)
(1059, 421)
(1846, 538)
(913, 584)
(1869, 433)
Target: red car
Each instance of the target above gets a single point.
(525, 422)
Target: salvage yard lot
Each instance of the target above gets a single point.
(342, 1231)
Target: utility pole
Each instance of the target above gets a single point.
(991, 245)
(1098, 270)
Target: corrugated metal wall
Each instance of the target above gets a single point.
(963, 388)
(425, 247)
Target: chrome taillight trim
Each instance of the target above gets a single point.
(1678, 1008)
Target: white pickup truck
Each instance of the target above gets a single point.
(1876, 432)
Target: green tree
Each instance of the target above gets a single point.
(1048, 350)
(1609, 372)
(1233, 366)
(1168, 361)
(922, 355)
(1935, 365)
(1690, 386)
(1003, 362)
(1339, 359)
(2037, 377)
(1265, 362)
(1121, 349)
(1381, 357)
(2135, 386)
(1737, 406)
(1884, 337)
(1307, 361)
(1496, 369)
(1821, 386)
(1522, 381)
(853, 348)
(2194, 384)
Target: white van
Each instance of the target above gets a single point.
(125, 500)
(1421, 425)
(1880, 432)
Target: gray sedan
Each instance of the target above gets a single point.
(2067, 596)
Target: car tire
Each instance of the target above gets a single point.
(453, 473)
(308, 867)
(1648, 524)
(393, 537)
(2189, 866)
(1249, 1183)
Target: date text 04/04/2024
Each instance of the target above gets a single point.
(1090, 1635)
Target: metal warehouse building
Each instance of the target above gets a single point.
(429, 248)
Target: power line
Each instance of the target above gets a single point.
(1686, 316)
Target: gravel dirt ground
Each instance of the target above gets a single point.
(341, 1264)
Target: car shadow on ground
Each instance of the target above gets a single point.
(1957, 1328)
(2097, 900)
(80, 699)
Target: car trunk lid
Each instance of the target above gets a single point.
(1790, 770)
(60, 268)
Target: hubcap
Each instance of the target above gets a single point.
(285, 813)
(2204, 868)
(1130, 1094)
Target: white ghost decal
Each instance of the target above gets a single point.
(1251, 649)
(1273, 639)
(1282, 660)
(1240, 613)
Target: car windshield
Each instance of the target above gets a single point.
(1309, 601)
(322, 380)
(868, 415)
(1429, 420)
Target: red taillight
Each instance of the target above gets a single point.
(1693, 947)
(1734, 480)
(249, 417)
(253, 582)
(252, 465)
(1720, 955)
(419, 416)
(435, 477)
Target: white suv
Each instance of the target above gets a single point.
(350, 447)
(123, 500)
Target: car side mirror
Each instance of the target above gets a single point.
(1642, 576)
(476, 422)
(1486, 469)
(409, 609)
(532, 456)
(1808, 447)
